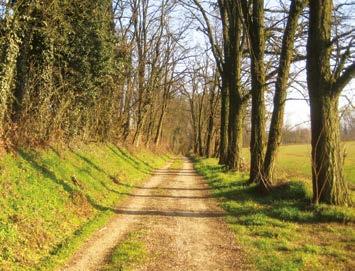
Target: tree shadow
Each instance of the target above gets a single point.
(30, 158)
(90, 163)
(166, 188)
(173, 213)
(118, 152)
(166, 196)
(288, 202)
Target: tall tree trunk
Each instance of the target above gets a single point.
(277, 118)
(324, 89)
(127, 102)
(21, 77)
(237, 111)
(236, 103)
(329, 185)
(223, 136)
(160, 126)
(255, 25)
(142, 104)
(210, 126)
(199, 125)
(209, 135)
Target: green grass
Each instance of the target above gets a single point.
(293, 161)
(177, 164)
(52, 200)
(282, 231)
(127, 254)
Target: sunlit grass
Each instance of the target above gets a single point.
(127, 254)
(177, 164)
(51, 200)
(295, 161)
(282, 231)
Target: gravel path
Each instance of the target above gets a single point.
(184, 227)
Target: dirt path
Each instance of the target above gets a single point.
(183, 224)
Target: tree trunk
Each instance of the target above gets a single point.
(160, 126)
(233, 66)
(324, 89)
(235, 134)
(255, 24)
(21, 77)
(329, 185)
(223, 139)
(210, 126)
(277, 118)
(127, 103)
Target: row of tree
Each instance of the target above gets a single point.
(134, 72)
(254, 51)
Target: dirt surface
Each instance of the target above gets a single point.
(184, 227)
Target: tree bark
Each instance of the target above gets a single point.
(223, 139)
(277, 118)
(255, 26)
(210, 126)
(324, 89)
(160, 126)
(233, 55)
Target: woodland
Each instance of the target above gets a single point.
(209, 80)
(129, 71)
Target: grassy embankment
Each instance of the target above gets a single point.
(52, 200)
(282, 231)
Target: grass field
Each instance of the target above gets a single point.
(52, 200)
(294, 161)
(282, 231)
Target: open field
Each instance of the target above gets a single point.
(294, 161)
(282, 231)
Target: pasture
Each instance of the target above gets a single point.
(294, 161)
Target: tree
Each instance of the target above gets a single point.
(255, 27)
(324, 87)
(228, 58)
(281, 85)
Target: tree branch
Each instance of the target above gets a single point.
(344, 79)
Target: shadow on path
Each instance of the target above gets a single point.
(170, 213)
(164, 196)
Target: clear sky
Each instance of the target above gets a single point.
(297, 109)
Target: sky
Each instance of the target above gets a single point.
(297, 112)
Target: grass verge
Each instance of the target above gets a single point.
(127, 254)
(282, 231)
(53, 199)
(177, 164)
